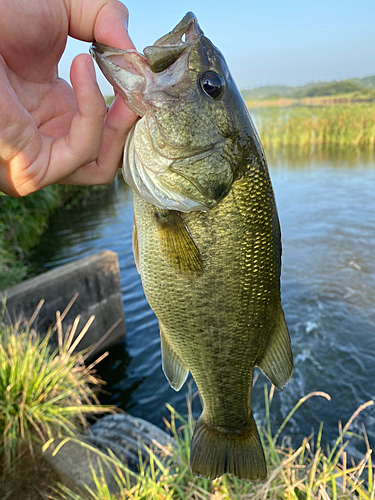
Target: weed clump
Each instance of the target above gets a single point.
(44, 393)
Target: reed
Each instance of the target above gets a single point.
(343, 126)
(308, 472)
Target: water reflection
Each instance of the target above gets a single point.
(327, 213)
(310, 157)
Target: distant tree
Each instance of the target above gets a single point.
(366, 85)
(328, 89)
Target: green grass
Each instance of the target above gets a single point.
(22, 221)
(43, 393)
(301, 126)
(310, 471)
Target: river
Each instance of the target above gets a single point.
(326, 204)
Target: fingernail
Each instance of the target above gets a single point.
(125, 20)
(91, 67)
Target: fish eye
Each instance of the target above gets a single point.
(212, 84)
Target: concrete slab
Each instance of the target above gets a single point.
(96, 279)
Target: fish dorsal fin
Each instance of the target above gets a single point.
(135, 245)
(177, 243)
(277, 361)
(173, 367)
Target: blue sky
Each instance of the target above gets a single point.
(265, 42)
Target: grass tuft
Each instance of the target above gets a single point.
(308, 472)
(44, 393)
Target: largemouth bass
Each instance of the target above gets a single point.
(206, 237)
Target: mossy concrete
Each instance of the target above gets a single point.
(96, 280)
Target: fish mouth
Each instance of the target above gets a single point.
(159, 56)
(167, 49)
(142, 79)
(188, 26)
(132, 74)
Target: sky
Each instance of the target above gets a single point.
(265, 42)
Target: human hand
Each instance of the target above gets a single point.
(49, 131)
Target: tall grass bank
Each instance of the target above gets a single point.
(350, 125)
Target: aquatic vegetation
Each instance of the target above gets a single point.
(25, 218)
(349, 125)
(43, 392)
(310, 471)
(11, 271)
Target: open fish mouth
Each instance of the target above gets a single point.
(159, 56)
(169, 47)
(156, 162)
(132, 73)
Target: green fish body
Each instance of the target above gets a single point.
(206, 240)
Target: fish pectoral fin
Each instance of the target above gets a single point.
(277, 361)
(177, 243)
(173, 367)
(135, 244)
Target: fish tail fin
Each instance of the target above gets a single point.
(214, 452)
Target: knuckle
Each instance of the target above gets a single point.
(106, 174)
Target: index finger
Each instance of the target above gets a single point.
(105, 21)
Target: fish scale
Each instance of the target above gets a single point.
(210, 315)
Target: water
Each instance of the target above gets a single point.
(327, 213)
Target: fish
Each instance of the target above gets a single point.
(206, 237)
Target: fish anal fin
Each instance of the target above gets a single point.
(177, 243)
(173, 368)
(135, 245)
(277, 361)
(214, 452)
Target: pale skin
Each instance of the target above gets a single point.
(51, 132)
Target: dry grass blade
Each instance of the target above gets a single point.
(102, 339)
(266, 487)
(306, 473)
(300, 402)
(356, 413)
(35, 313)
(81, 334)
(67, 308)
